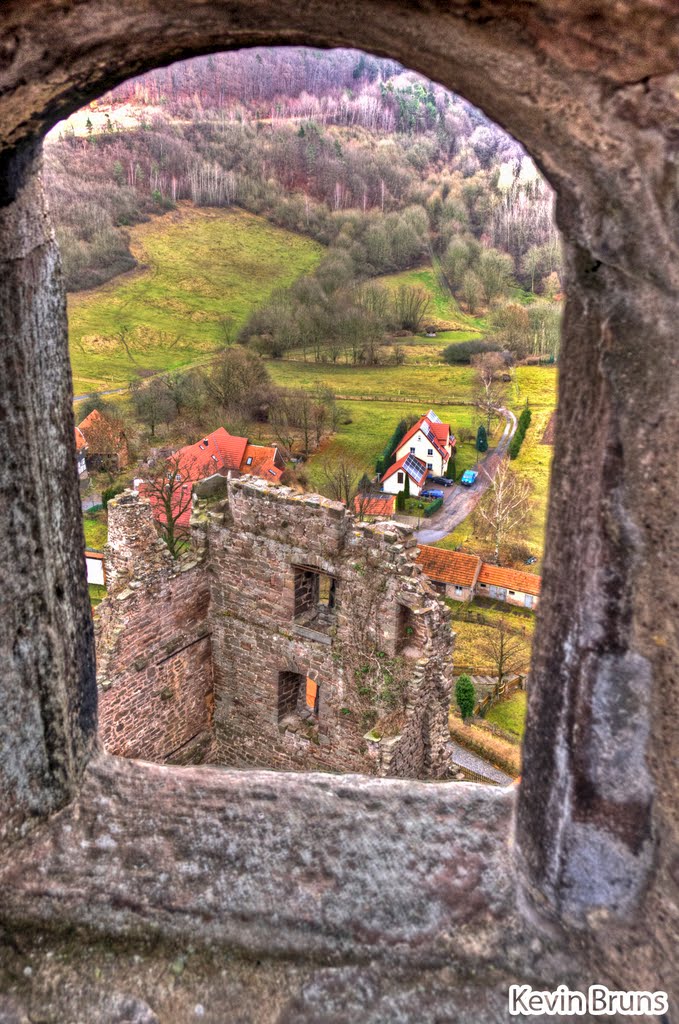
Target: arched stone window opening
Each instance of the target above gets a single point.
(596, 827)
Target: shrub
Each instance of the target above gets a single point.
(110, 492)
(433, 507)
(517, 440)
(465, 696)
(451, 470)
(462, 351)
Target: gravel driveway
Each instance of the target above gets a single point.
(458, 501)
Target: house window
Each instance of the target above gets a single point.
(429, 465)
(512, 591)
(430, 451)
(482, 585)
(248, 461)
(458, 589)
(412, 451)
(315, 598)
(399, 477)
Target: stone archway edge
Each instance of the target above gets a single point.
(587, 87)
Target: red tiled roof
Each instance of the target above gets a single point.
(441, 432)
(90, 420)
(264, 462)
(512, 579)
(80, 441)
(448, 566)
(380, 505)
(217, 453)
(401, 465)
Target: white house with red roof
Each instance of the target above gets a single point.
(393, 481)
(80, 451)
(431, 442)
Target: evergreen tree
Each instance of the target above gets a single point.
(406, 488)
(465, 696)
(451, 471)
(481, 439)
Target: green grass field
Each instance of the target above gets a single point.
(510, 714)
(201, 265)
(444, 309)
(96, 530)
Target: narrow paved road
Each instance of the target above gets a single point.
(459, 501)
(465, 759)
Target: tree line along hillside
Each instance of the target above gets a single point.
(378, 164)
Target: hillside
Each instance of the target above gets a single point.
(204, 271)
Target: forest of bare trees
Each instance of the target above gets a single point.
(375, 162)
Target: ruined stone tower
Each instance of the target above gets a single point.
(289, 636)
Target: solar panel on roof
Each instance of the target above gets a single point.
(414, 468)
(431, 415)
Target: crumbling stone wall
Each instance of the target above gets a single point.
(228, 615)
(154, 664)
(262, 553)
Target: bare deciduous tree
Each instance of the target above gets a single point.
(341, 479)
(411, 306)
(504, 648)
(506, 506)
(169, 488)
(488, 389)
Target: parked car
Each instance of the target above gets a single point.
(442, 480)
(531, 561)
(468, 477)
(431, 494)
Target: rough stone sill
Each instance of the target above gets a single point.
(311, 634)
(326, 867)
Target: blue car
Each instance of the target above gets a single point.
(431, 494)
(468, 477)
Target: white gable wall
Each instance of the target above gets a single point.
(420, 445)
(392, 485)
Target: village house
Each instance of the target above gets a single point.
(393, 481)
(105, 442)
(206, 465)
(80, 454)
(452, 572)
(463, 577)
(374, 506)
(431, 442)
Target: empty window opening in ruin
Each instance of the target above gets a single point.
(315, 598)
(408, 633)
(298, 697)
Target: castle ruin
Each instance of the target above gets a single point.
(289, 636)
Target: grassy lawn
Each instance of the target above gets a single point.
(510, 714)
(96, 530)
(535, 461)
(97, 593)
(421, 384)
(201, 265)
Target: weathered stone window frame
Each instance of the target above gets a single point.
(586, 850)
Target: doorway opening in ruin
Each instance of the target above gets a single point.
(315, 598)
(298, 697)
